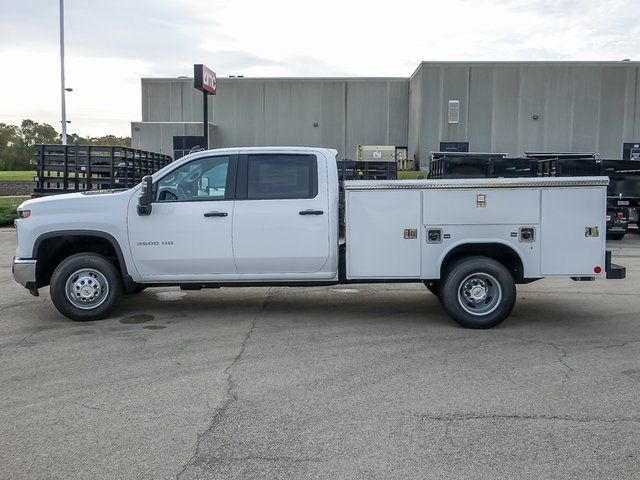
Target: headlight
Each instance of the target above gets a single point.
(24, 213)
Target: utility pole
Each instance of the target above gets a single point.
(62, 87)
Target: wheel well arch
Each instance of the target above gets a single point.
(500, 252)
(51, 248)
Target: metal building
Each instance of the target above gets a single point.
(509, 107)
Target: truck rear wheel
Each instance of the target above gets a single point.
(85, 286)
(478, 292)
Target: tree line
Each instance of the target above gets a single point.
(17, 142)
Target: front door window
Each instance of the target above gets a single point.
(202, 179)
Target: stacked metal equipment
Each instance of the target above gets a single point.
(77, 168)
(362, 170)
(385, 153)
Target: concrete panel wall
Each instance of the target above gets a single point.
(504, 119)
(336, 113)
(415, 115)
(580, 106)
(481, 107)
(158, 136)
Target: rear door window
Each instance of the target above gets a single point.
(281, 176)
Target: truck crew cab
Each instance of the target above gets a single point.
(270, 216)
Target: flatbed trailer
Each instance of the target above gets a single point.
(77, 168)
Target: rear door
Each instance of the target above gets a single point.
(281, 217)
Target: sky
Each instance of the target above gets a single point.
(111, 44)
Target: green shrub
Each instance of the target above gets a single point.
(8, 207)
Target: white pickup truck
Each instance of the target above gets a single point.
(270, 216)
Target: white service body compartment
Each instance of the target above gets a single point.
(388, 224)
(501, 206)
(566, 247)
(377, 223)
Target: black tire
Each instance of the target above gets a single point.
(615, 236)
(94, 268)
(137, 289)
(432, 286)
(491, 279)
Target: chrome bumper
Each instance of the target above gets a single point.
(24, 272)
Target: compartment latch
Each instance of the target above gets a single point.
(591, 232)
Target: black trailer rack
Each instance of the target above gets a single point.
(479, 165)
(77, 168)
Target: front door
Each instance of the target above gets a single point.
(187, 236)
(281, 217)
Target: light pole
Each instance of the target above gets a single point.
(62, 88)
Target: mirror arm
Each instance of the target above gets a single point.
(144, 209)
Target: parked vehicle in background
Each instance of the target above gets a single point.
(270, 216)
(623, 192)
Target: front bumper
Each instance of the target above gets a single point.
(24, 272)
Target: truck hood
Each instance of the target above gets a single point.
(79, 204)
(95, 197)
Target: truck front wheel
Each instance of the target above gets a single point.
(85, 286)
(478, 292)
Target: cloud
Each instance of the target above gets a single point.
(111, 44)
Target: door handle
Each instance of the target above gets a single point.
(311, 212)
(215, 214)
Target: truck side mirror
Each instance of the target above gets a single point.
(146, 196)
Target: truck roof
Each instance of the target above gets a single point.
(267, 149)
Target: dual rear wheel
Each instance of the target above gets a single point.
(477, 292)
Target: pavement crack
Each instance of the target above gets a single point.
(14, 305)
(567, 369)
(89, 407)
(265, 458)
(466, 417)
(231, 394)
(616, 345)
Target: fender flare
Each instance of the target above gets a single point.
(484, 241)
(128, 281)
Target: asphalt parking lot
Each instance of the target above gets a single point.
(359, 382)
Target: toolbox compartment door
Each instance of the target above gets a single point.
(482, 206)
(383, 234)
(566, 247)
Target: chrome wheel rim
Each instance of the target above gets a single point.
(479, 294)
(87, 288)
